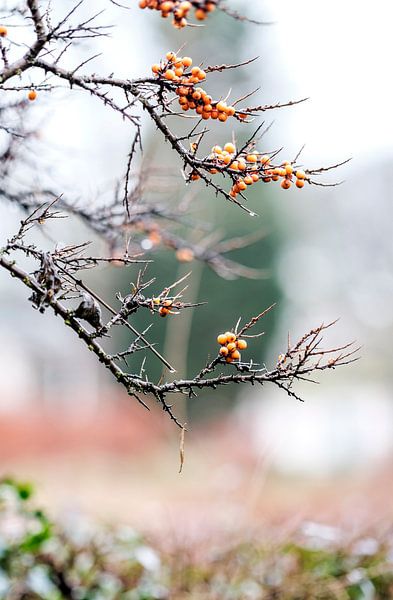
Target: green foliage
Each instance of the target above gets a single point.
(44, 561)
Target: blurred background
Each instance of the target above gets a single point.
(253, 456)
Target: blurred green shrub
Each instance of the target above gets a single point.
(77, 560)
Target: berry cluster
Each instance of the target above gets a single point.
(230, 346)
(174, 69)
(165, 306)
(180, 9)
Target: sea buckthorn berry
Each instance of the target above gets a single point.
(300, 174)
(222, 339)
(229, 359)
(32, 95)
(170, 75)
(235, 355)
(200, 14)
(248, 180)
(255, 177)
(288, 169)
(221, 106)
(231, 346)
(222, 117)
(156, 69)
(142, 3)
(217, 149)
(230, 148)
(241, 185)
(224, 351)
(210, 6)
(195, 176)
(285, 184)
(166, 6)
(185, 5)
(185, 255)
(234, 165)
(253, 158)
(230, 111)
(187, 61)
(163, 311)
(179, 71)
(241, 344)
(265, 159)
(231, 337)
(299, 183)
(242, 165)
(3, 31)
(171, 56)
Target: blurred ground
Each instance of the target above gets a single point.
(122, 465)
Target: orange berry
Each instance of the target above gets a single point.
(163, 311)
(299, 183)
(265, 159)
(195, 71)
(200, 14)
(179, 71)
(32, 95)
(171, 56)
(255, 177)
(221, 106)
(235, 355)
(142, 4)
(229, 359)
(285, 184)
(241, 185)
(230, 111)
(156, 69)
(214, 114)
(230, 148)
(252, 158)
(167, 6)
(201, 75)
(185, 6)
(222, 117)
(199, 110)
(242, 165)
(231, 346)
(231, 337)
(222, 339)
(224, 351)
(170, 75)
(210, 6)
(227, 159)
(300, 174)
(288, 169)
(184, 255)
(235, 165)
(187, 61)
(248, 180)
(217, 149)
(241, 344)
(194, 177)
(206, 116)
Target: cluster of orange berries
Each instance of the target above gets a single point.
(180, 9)
(165, 308)
(190, 96)
(230, 346)
(255, 167)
